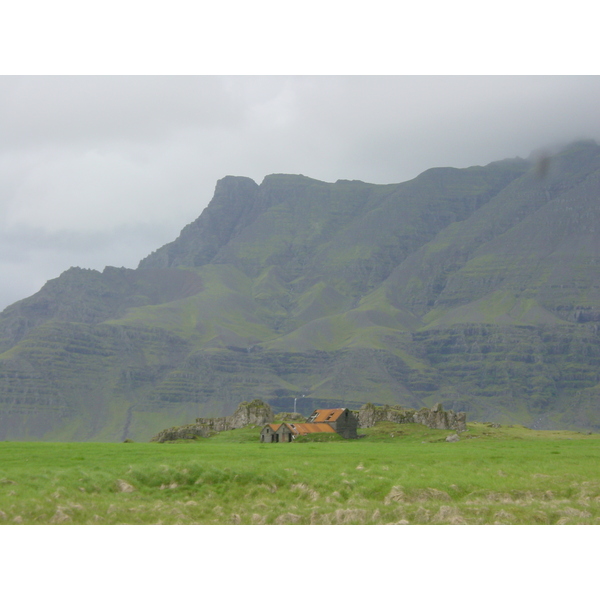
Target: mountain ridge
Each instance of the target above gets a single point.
(475, 287)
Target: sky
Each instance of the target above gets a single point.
(102, 170)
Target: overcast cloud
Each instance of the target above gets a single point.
(98, 171)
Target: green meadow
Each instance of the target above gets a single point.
(395, 474)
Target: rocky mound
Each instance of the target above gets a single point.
(255, 412)
(434, 418)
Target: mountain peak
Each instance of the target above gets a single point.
(477, 287)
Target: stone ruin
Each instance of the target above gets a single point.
(260, 413)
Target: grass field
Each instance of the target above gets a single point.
(396, 474)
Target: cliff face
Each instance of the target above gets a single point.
(473, 287)
(236, 203)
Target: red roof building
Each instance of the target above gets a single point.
(342, 420)
(333, 420)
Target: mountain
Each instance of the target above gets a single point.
(475, 287)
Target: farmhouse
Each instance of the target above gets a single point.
(276, 432)
(333, 420)
(287, 432)
(341, 420)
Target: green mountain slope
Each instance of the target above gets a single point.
(476, 287)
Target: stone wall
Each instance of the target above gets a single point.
(346, 425)
(434, 418)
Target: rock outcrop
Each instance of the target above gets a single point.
(181, 432)
(255, 412)
(438, 418)
(434, 418)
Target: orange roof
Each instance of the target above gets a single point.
(326, 415)
(304, 428)
(274, 426)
